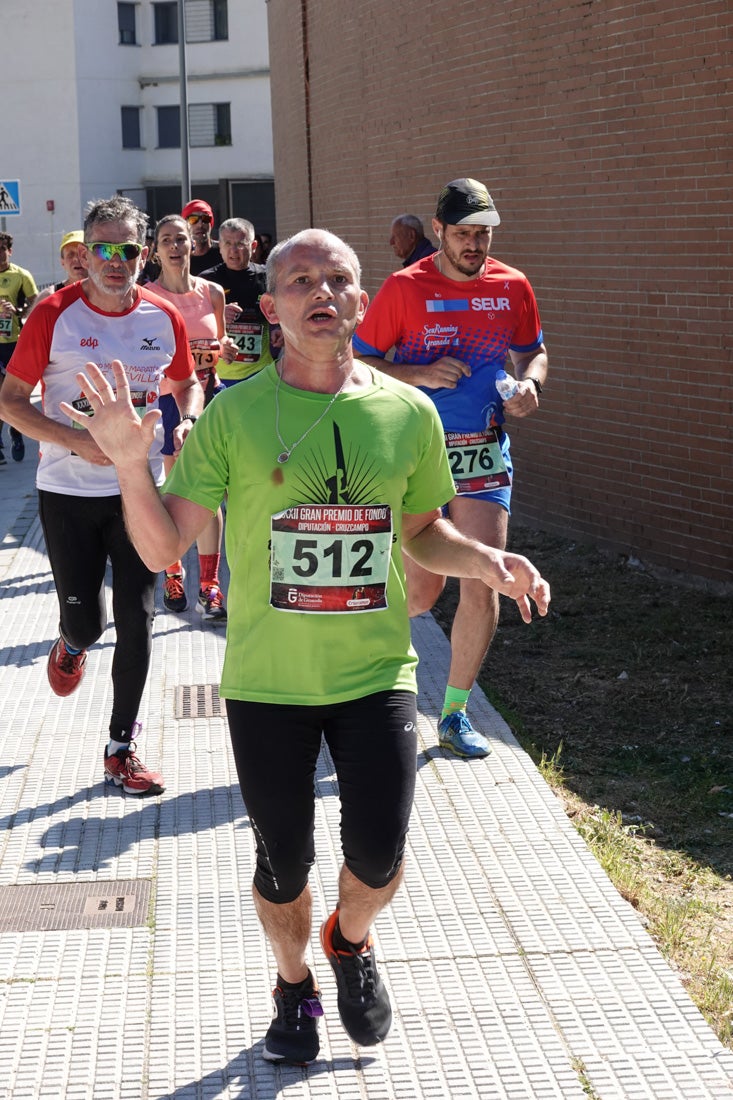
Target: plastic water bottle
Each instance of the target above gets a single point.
(506, 385)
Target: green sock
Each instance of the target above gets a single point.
(455, 699)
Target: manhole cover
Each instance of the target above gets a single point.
(61, 905)
(198, 701)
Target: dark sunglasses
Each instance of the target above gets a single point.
(194, 219)
(103, 250)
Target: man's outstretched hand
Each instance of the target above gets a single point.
(516, 577)
(115, 426)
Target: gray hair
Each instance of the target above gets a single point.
(118, 208)
(411, 221)
(239, 225)
(307, 236)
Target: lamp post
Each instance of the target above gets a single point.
(185, 161)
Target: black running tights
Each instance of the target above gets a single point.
(82, 534)
(373, 744)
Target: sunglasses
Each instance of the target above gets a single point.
(194, 219)
(103, 250)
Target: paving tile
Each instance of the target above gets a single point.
(514, 965)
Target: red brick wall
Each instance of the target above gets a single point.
(602, 130)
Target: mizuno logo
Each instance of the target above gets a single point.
(149, 344)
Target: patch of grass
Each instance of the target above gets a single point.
(579, 1067)
(609, 839)
(550, 767)
(677, 899)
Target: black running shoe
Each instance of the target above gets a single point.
(174, 594)
(363, 1000)
(293, 1034)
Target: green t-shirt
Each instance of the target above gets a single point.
(13, 281)
(332, 552)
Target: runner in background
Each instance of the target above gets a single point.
(202, 305)
(110, 316)
(244, 284)
(70, 253)
(453, 318)
(18, 292)
(200, 218)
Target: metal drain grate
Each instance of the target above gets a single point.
(61, 905)
(198, 701)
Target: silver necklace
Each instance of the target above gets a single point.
(287, 451)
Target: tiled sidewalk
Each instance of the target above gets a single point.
(131, 962)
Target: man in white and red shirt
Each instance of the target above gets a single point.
(104, 318)
(453, 319)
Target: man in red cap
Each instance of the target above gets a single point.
(200, 217)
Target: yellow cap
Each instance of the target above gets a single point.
(75, 237)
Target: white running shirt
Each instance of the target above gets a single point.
(65, 332)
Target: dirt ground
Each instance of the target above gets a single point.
(630, 677)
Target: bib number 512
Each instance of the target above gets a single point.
(306, 561)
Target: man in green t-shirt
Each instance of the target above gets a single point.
(18, 292)
(332, 471)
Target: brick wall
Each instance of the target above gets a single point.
(602, 130)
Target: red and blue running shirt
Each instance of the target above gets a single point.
(425, 316)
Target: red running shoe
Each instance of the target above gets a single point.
(65, 670)
(125, 769)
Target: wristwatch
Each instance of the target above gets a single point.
(188, 416)
(536, 383)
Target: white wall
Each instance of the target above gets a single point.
(65, 77)
(106, 77)
(39, 99)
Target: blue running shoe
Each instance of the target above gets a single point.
(456, 734)
(17, 447)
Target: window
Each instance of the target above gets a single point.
(166, 23)
(126, 24)
(209, 124)
(221, 19)
(206, 21)
(169, 127)
(130, 127)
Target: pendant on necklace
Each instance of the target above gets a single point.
(283, 457)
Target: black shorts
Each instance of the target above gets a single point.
(6, 352)
(373, 744)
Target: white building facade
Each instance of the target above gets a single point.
(92, 90)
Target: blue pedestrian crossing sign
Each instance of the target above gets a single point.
(9, 197)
